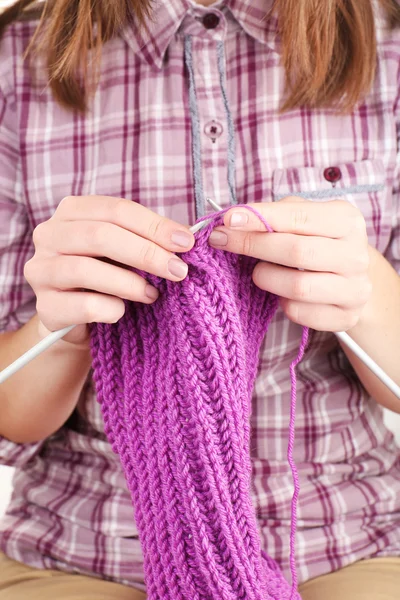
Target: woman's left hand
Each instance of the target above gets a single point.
(328, 240)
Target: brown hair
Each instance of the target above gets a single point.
(328, 46)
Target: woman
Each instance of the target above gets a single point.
(291, 105)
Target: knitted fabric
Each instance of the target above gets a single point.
(175, 382)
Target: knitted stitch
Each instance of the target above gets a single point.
(175, 382)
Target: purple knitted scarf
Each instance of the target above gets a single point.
(175, 382)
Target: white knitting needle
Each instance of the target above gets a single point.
(367, 360)
(26, 358)
(343, 336)
(53, 337)
(202, 224)
(57, 335)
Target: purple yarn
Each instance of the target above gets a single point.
(175, 381)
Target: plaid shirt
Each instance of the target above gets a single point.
(70, 509)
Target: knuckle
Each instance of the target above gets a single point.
(297, 252)
(78, 273)
(118, 310)
(156, 228)
(350, 320)
(39, 234)
(258, 276)
(29, 270)
(91, 309)
(302, 253)
(34, 272)
(65, 204)
(118, 210)
(148, 256)
(301, 289)
(53, 273)
(292, 311)
(97, 234)
(248, 244)
(62, 273)
(299, 219)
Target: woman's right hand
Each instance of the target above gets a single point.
(73, 283)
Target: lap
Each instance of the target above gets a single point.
(374, 579)
(19, 582)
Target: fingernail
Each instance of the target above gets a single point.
(151, 292)
(238, 219)
(177, 268)
(182, 239)
(218, 238)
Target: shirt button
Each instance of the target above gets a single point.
(333, 174)
(211, 21)
(213, 130)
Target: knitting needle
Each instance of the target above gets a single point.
(53, 337)
(57, 335)
(214, 205)
(346, 339)
(198, 226)
(26, 358)
(367, 360)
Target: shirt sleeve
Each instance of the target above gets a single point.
(17, 300)
(392, 253)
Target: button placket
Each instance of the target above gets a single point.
(212, 121)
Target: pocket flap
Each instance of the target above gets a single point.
(317, 182)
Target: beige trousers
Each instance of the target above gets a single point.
(376, 579)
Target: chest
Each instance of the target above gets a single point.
(152, 135)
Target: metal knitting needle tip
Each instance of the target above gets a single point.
(195, 228)
(213, 204)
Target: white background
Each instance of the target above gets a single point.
(393, 421)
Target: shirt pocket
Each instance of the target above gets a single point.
(361, 183)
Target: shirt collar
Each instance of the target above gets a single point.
(167, 16)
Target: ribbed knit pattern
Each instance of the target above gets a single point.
(175, 382)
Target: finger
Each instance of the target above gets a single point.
(298, 251)
(321, 317)
(79, 336)
(98, 239)
(316, 288)
(128, 215)
(74, 273)
(57, 310)
(332, 219)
